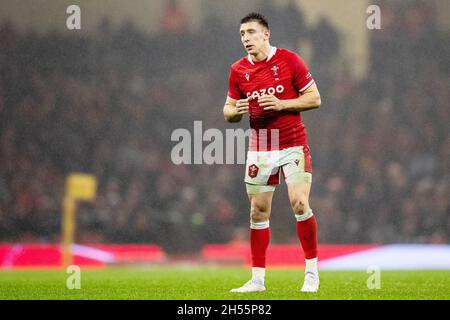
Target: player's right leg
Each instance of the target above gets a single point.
(260, 202)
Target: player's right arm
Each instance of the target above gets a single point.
(235, 109)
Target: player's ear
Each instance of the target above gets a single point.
(267, 33)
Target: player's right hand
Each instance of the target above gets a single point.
(242, 105)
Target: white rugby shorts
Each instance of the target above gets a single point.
(263, 168)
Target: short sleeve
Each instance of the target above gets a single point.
(302, 77)
(233, 86)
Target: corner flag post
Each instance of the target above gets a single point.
(79, 187)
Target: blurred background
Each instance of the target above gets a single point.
(105, 99)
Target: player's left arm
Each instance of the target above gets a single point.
(308, 100)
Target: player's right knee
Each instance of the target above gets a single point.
(259, 213)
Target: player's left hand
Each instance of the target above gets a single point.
(270, 102)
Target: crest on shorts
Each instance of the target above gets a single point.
(253, 170)
(297, 161)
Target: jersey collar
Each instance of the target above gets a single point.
(272, 52)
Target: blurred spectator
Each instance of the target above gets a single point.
(174, 20)
(287, 23)
(325, 49)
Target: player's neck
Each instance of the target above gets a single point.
(263, 54)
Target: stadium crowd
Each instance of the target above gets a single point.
(107, 104)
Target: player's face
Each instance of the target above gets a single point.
(254, 37)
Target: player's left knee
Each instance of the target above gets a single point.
(300, 205)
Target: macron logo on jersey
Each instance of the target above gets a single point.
(257, 94)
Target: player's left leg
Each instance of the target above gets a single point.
(306, 231)
(297, 169)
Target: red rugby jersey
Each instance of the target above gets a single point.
(284, 74)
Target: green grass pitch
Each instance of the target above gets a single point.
(211, 283)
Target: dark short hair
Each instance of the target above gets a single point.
(254, 16)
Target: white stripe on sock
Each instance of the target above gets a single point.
(259, 225)
(303, 217)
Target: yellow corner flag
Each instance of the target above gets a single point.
(79, 187)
